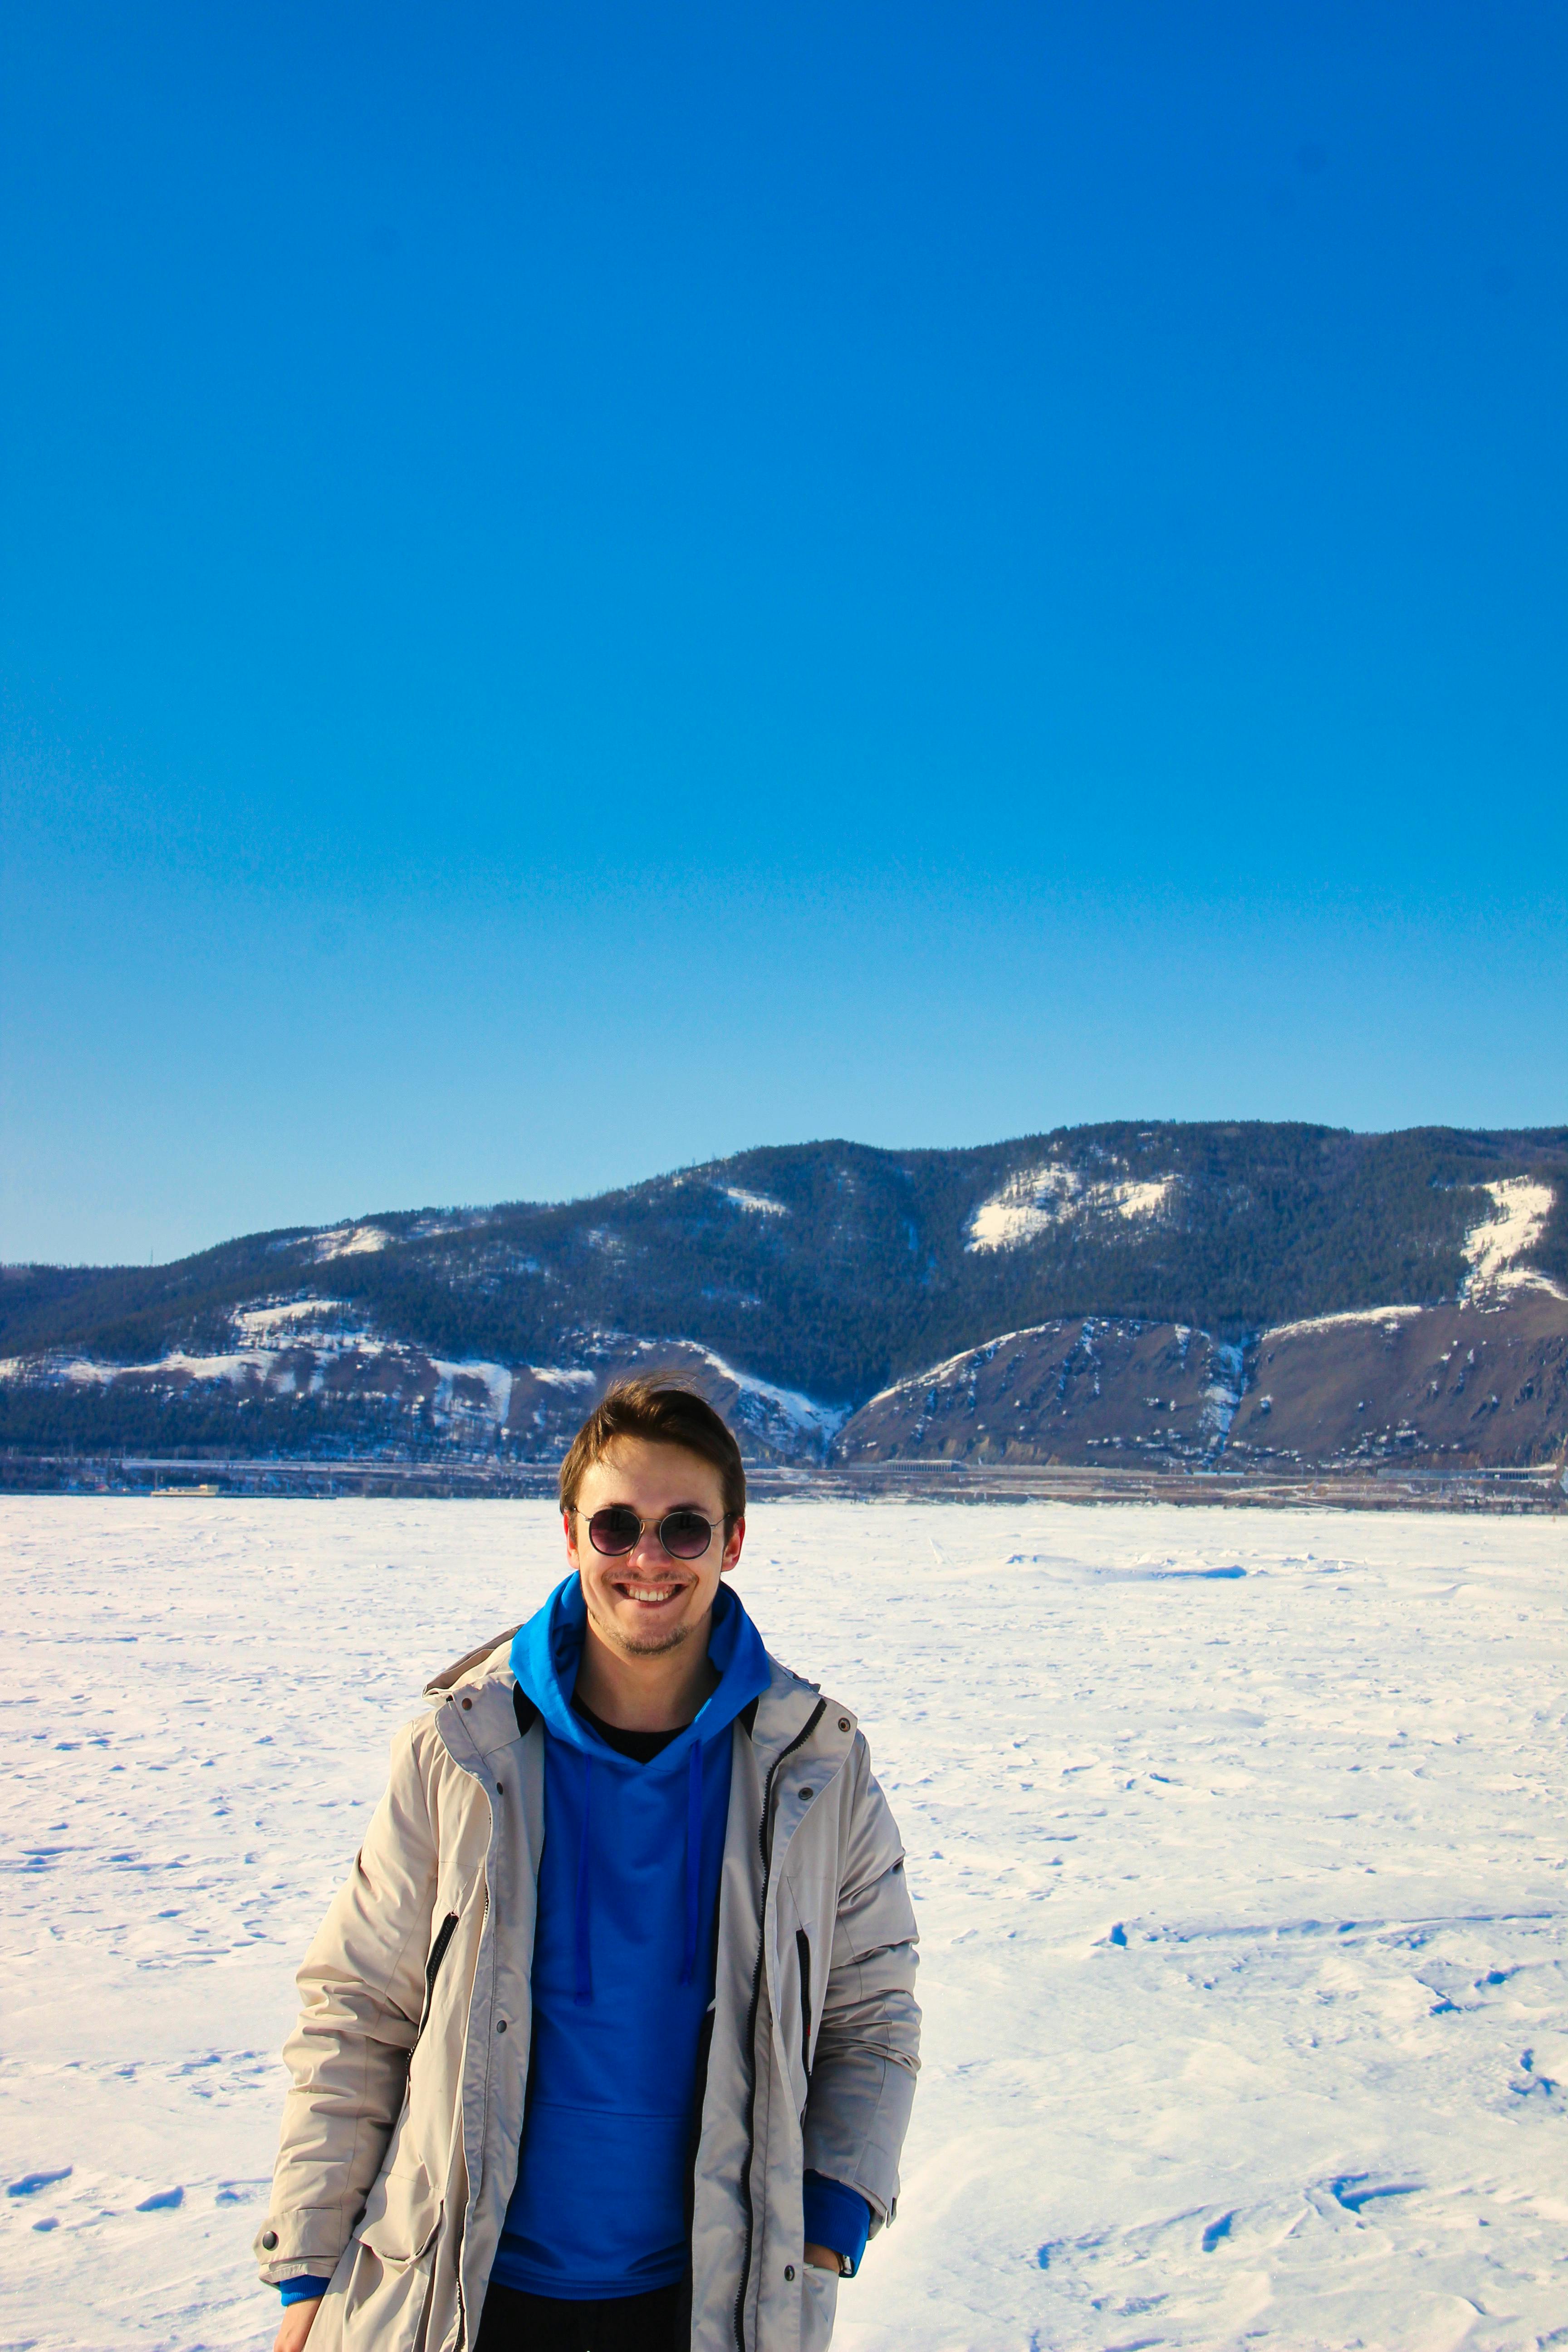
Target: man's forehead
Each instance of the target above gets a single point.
(671, 1472)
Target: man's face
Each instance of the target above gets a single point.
(642, 1601)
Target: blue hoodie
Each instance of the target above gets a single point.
(622, 1971)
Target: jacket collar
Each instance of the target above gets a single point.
(472, 1699)
(787, 1707)
(473, 1702)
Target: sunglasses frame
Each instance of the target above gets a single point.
(686, 1511)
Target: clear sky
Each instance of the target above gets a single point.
(587, 586)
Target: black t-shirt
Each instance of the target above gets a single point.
(642, 1747)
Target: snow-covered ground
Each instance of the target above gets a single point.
(1238, 1845)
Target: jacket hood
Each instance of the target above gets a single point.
(544, 1658)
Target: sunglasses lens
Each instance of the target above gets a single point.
(614, 1531)
(685, 1534)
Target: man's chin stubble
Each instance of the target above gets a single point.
(616, 1639)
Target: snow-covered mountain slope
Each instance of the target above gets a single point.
(1236, 1843)
(302, 1377)
(1065, 1392)
(1480, 1382)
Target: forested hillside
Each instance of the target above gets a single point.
(829, 1268)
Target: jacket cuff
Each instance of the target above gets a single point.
(303, 2289)
(837, 2218)
(307, 2240)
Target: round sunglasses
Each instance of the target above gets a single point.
(685, 1534)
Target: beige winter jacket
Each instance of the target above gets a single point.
(402, 2130)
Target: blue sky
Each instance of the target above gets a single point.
(587, 587)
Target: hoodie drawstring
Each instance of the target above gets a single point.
(585, 1987)
(693, 1860)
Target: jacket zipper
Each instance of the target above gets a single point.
(433, 1968)
(803, 1954)
(693, 2142)
(765, 1842)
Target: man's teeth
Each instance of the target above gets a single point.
(651, 1591)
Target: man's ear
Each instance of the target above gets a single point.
(567, 1526)
(732, 1543)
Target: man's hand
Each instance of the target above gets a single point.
(821, 2258)
(296, 2324)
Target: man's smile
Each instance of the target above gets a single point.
(648, 1596)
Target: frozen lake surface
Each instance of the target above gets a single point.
(1237, 1841)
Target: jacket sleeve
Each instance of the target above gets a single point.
(867, 2045)
(362, 1993)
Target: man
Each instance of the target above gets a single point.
(608, 2044)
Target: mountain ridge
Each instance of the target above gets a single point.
(827, 1273)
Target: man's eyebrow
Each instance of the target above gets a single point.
(669, 1507)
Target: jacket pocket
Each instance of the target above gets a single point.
(401, 2217)
(818, 2307)
(433, 1966)
(386, 2297)
(803, 1954)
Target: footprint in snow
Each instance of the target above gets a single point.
(164, 2202)
(1532, 2081)
(1352, 2195)
(31, 2182)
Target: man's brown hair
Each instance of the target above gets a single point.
(665, 1415)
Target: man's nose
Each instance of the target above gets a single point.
(648, 1552)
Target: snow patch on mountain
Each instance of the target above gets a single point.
(495, 1378)
(1224, 1394)
(1389, 1315)
(935, 1376)
(351, 1241)
(1135, 1201)
(84, 1371)
(755, 1204)
(176, 1366)
(1519, 1210)
(291, 1321)
(1035, 1199)
(1027, 1204)
(781, 1417)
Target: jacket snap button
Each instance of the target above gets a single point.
(467, 1707)
(843, 1720)
(500, 2027)
(269, 2238)
(789, 2270)
(806, 1795)
(501, 1788)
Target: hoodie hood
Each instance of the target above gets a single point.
(547, 1652)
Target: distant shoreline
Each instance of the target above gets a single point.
(1537, 1492)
